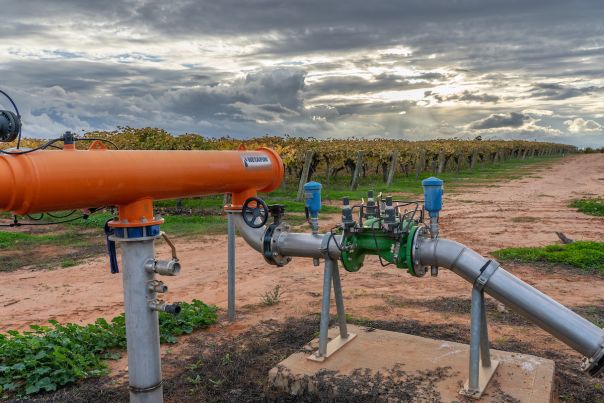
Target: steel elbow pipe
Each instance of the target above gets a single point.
(290, 243)
(253, 236)
(564, 324)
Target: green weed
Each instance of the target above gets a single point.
(272, 297)
(584, 255)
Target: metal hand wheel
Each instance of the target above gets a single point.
(254, 212)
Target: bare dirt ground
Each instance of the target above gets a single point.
(521, 212)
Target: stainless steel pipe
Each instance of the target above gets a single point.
(577, 332)
(288, 243)
(142, 327)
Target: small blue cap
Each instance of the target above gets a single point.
(312, 186)
(433, 195)
(312, 196)
(432, 181)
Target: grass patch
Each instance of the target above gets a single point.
(584, 255)
(589, 206)
(194, 225)
(173, 225)
(69, 262)
(13, 239)
(48, 357)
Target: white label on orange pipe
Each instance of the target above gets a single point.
(256, 161)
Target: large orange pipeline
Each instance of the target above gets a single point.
(72, 179)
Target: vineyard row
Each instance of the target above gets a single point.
(304, 157)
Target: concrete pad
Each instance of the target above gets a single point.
(524, 377)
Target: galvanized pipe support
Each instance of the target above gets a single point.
(231, 266)
(480, 355)
(331, 276)
(142, 326)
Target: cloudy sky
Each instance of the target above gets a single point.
(394, 69)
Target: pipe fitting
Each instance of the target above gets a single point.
(288, 244)
(161, 306)
(163, 267)
(434, 227)
(157, 286)
(594, 365)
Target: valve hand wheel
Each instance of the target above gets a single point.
(254, 212)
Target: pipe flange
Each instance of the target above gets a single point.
(595, 364)
(419, 270)
(272, 236)
(116, 238)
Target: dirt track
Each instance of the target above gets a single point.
(520, 212)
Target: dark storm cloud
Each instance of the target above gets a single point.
(275, 91)
(362, 85)
(372, 108)
(499, 120)
(555, 91)
(86, 76)
(466, 96)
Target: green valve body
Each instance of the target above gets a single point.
(392, 247)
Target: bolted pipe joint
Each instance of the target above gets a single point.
(161, 306)
(157, 286)
(163, 267)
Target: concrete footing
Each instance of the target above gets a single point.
(410, 367)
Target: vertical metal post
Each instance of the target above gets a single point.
(142, 326)
(337, 292)
(231, 267)
(485, 354)
(475, 327)
(324, 326)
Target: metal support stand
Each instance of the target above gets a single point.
(482, 368)
(231, 267)
(326, 349)
(142, 326)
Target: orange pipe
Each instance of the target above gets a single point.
(59, 180)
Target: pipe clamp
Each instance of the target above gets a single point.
(135, 389)
(325, 245)
(486, 271)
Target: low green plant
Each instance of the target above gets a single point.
(584, 255)
(272, 297)
(593, 206)
(192, 316)
(48, 357)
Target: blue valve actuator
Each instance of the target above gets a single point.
(433, 195)
(312, 197)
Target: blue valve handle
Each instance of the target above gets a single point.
(111, 249)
